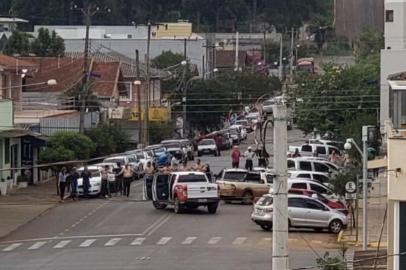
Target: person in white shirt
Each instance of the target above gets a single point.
(249, 156)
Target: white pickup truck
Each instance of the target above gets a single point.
(183, 190)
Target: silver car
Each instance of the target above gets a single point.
(303, 212)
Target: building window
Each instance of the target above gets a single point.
(6, 150)
(389, 16)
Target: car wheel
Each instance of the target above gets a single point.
(247, 197)
(177, 208)
(335, 226)
(158, 205)
(267, 228)
(212, 208)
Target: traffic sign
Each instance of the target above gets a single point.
(350, 196)
(350, 187)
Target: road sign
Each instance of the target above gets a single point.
(350, 187)
(350, 196)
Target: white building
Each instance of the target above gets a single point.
(393, 56)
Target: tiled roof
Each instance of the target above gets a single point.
(226, 59)
(106, 78)
(12, 63)
(66, 71)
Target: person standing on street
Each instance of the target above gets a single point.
(127, 173)
(86, 175)
(217, 139)
(249, 156)
(74, 183)
(62, 183)
(235, 157)
(104, 175)
(119, 179)
(198, 166)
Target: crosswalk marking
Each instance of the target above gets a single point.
(112, 242)
(164, 240)
(37, 245)
(87, 243)
(214, 240)
(62, 244)
(138, 241)
(189, 240)
(239, 240)
(12, 247)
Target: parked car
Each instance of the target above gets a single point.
(187, 146)
(310, 185)
(131, 160)
(303, 212)
(245, 123)
(318, 176)
(160, 154)
(313, 165)
(142, 156)
(323, 150)
(334, 204)
(206, 146)
(176, 150)
(338, 144)
(244, 186)
(235, 134)
(95, 180)
(241, 129)
(183, 190)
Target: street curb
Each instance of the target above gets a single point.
(29, 221)
(340, 236)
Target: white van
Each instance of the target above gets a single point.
(318, 176)
(312, 165)
(323, 150)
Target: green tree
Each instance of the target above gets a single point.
(369, 45)
(47, 44)
(167, 59)
(18, 43)
(66, 146)
(159, 131)
(109, 139)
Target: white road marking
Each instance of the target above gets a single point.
(153, 229)
(12, 247)
(87, 243)
(164, 241)
(239, 240)
(214, 240)
(138, 241)
(189, 240)
(265, 241)
(62, 244)
(112, 242)
(37, 245)
(316, 242)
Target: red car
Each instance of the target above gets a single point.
(337, 205)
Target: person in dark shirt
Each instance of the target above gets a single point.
(86, 175)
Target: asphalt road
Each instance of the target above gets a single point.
(128, 233)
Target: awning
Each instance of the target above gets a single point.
(377, 163)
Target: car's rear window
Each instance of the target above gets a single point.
(265, 201)
(191, 178)
(235, 176)
(206, 142)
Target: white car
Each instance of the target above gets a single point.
(303, 212)
(318, 176)
(129, 159)
(95, 180)
(241, 129)
(323, 150)
(312, 165)
(206, 146)
(142, 156)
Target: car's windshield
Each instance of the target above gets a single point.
(172, 145)
(235, 176)
(206, 142)
(191, 178)
(265, 201)
(115, 160)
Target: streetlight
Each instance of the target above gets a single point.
(364, 153)
(297, 49)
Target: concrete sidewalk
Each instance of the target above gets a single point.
(377, 200)
(23, 205)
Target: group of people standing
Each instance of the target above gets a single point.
(249, 156)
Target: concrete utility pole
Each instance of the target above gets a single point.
(365, 187)
(280, 259)
(145, 137)
(281, 58)
(236, 64)
(138, 89)
(292, 41)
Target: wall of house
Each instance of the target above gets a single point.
(6, 113)
(391, 62)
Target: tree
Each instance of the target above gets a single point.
(48, 44)
(66, 146)
(369, 45)
(167, 59)
(159, 131)
(18, 43)
(108, 139)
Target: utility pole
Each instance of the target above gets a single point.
(185, 49)
(365, 187)
(145, 139)
(203, 68)
(236, 52)
(281, 58)
(264, 53)
(280, 259)
(292, 41)
(138, 88)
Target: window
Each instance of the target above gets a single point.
(299, 186)
(318, 188)
(269, 178)
(305, 166)
(234, 176)
(265, 201)
(320, 177)
(191, 178)
(6, 150)
(314, 205)
(291, 164)
(389, 16)
(296, 202)
(321, 150)
(303, 175)
(320, 167)
(307, 148)
(253, 178)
